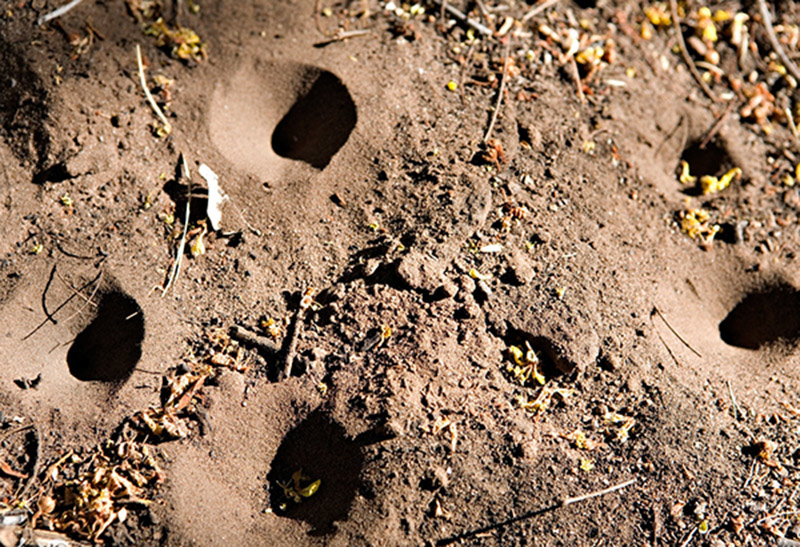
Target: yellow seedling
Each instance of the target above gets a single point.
(183, 42)
(625, 424)
(591, 56)
(542, 402)
(300, 488)
(526, 365)
(712, 185)
(198, 246)
(475, 274)
(272, 327)
(721, 16)
(686, 176)
(705, 26)
(658, 14)
(696, 223)
(452, 85)
(67, 201)
(586, 464)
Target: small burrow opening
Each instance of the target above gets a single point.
(315, 474)
(318, 124)
(109, 348)
(713, 159)
(529, 359)
(762, 318)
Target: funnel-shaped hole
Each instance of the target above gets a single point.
(318, 124)
(109, 348)
(763, 318)
(316, 450)
(712, 160)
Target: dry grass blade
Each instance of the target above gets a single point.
(150, 99)
(58, 12)
(176, 267)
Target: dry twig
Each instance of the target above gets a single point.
(717, 125)
(462, 18)
(537, 9)
(773, 40)
(678, 336)
(576, 76)
(530, 514)
(673, 6)
(502, 89)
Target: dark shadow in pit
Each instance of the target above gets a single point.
(550, 364)
(321, 450)
(318, 124)
(761, 318)
(713, 160)
(109, 348)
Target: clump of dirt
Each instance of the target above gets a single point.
(472, 261)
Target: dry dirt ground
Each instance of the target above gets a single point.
(475, 329)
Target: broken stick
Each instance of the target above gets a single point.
(530, 514)
(673, 5)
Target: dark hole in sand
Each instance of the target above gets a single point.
(712, 160)
(321, 450)
(109, 348)
(762, 318)
(318, 124)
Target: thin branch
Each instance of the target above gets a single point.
(502, 89)
(58, 12)
(462, 18)
(576, 77)
(59, 308)
(673, 5)
(773, 39)
(99, 280)
(678, 336)
(530, 514)
(44, 295)
(736, 410)
(717, 125)
(537, 9)
(150, 99)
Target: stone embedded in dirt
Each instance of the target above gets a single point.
(519, 268)
(420, 272)
(91, 158)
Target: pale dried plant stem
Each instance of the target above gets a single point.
(150, 99)
(58, 12)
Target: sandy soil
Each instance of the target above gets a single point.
(374, 244)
